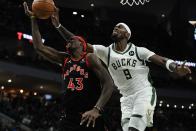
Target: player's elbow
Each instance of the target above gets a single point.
(37, 46)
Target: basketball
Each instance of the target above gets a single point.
(43, 9)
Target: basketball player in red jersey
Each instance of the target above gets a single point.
(82, 75)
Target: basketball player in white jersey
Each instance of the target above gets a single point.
(126, 64)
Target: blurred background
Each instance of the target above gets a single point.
(30, 86)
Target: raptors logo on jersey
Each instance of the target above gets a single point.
(80, 84)
(75, 74)
(74, 70)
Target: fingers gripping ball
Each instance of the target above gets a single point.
(43, 9)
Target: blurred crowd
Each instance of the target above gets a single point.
(175, 120)
(40, 114)
(35, 113)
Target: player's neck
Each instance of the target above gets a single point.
(120, 46)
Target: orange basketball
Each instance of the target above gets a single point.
(43, 9)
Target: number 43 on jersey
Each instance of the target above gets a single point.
(75, 84)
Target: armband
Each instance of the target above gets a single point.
(58, 26)
(168, 63)
(99, 109)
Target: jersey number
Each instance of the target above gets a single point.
(73, 86)
(127, 74)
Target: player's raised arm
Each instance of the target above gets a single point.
(66, 34)
(47, 52)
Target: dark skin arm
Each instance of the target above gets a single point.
(66, 34)
(45, 51)
(180, 70)
(107, 89)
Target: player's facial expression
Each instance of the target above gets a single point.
(73, 45)
(119, 32)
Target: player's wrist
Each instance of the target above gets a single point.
(99, 109)
(58, 26)
(171, 65)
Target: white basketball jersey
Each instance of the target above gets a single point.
(128, 68)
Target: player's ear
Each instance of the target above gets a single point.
(127, 35)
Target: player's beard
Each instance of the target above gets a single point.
(114, 37)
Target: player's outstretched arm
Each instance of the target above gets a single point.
(107, 89)
(47, 52)
(66, 34)
(180, 70)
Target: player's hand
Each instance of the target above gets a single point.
(182, 70)
(55, 17)
(27, 11)
(90, 117)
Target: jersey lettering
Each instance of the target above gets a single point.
(114, 66)
(124, 62)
